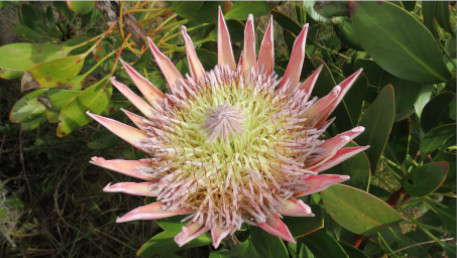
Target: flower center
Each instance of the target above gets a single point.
(222, 122)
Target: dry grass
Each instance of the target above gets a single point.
(64, 212)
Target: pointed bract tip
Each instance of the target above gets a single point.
(107, 187)
(358, 129)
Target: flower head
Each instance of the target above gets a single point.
(232, 145)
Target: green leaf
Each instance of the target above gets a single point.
(357, 210)
(267, 245)
(241, 9)
(57, 72)
(438, 10)
(345, 32)
(352, 251)
(286, 21)
(94, 99)
(378, 120)
(60, 97)
(447, 215)
(81, 7)
(245, 249)
(409, 5)
(452, 109)
(437, 111)
(323, 245)
(425, 92)
(28, 33)
(435, 138)
(196, 11)
(399, 141)
(299, 226)
(408, 51)
(424, 180)
(22, 56)
(10, 75)
(28, 107)
(406, 94)
(164, 245)
(331, 9)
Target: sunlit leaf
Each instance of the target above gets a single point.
(81, 7)
(22, 56)
(57, 72)
(28, 107)
(94, 99)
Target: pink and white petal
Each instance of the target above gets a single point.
(152, 211)
(293, 70)
(196, 68)
(321, 182)
(127, 133)
(136, 100)
(190, 232)
(275, 226)
(131, 168)
(136, 119)
(309, 83)
(217, 234)
(338, 142)
(168, 69)
(340, 156)
(149, 90)
(316, 109)
(249, 58)
(296, 208)
(224, 45)
(140, 189)
(345, 85)
(266, 58)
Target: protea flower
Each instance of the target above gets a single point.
(232, 145)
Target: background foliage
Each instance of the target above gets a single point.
(56, 57)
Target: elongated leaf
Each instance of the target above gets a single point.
(378, 120)
(436, 137)
(163, 244)
(399, 140)
(437, 111)
(81, 7)
(28, 107)
(22, 56)
(94, 99)
(57, 72)
(408, 51)
(286, 22)
(323, 245)
(358, 211)
(241, 9)
(426, 179)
